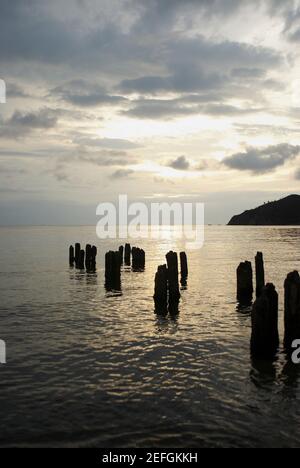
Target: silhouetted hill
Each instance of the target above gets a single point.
(282, 212)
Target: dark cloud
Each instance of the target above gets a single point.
(196, 64)
(159, 108)
(292, 24)
(22, 123)
(189, 81)
(248, 73)
(260, 161)
(175, 108)
(112, 143)
(122, 174)
(16, 91)
(84, 94)
(222, 110)
(124, 49)
(181, 163)
(106, 158)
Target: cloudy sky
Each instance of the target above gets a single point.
(159, 99)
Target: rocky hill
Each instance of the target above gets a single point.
(283, 212)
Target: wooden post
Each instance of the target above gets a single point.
(142, 259)
(291, 309)
(71, 255)
(260, 273)
(134, 253)
(93, 258)
(183, 265)
(265, 336)
(121, 252)
(183, 268)
(77, 254)
(161, 290)
(81, 260)
(138, 259)
(127, 254)
(244, 283)
(173, 284)
(112, 271)
(88, 255)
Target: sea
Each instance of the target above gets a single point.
(86, 367)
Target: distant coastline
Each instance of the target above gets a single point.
(284, 212)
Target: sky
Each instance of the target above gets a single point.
(162, 100)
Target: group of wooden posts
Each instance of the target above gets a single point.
(166, 289)
(265, 336)
(83, 259)
(134, 257)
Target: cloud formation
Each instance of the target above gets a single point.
(23, 123)
(261, 161)
(84, 94)
(181, 164)
(122, 174)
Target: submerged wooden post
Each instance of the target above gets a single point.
(173, 284)
(244, 283)
(161, 290)
(138, 259)
(183, 264)
(77, 254)
(142, 259)
(134, 253)
(121, 252)
(260, 273)
(127, 254)
(81, 260)
(88, 255)
(93, 258)
(291, 309)
(183, 268)
(265, 336)
(71, 255)
(112, 271)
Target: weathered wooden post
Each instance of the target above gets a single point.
(93, 258)
(112, 271)
(77, 254)
(260, 273)
(127, 254)
(121, 252)
(108, 266)
(81, 260)
(173, 284)
(291, 309)
(71, 255)
(183, 265)
(183, 268)
(244, 283)
(138, 259)
(88, 254)
(142, 259)
(265, 336)
(134, 253)
(161, 290)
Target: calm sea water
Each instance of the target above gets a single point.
(89, 369)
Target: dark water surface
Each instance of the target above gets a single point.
(87, 369)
